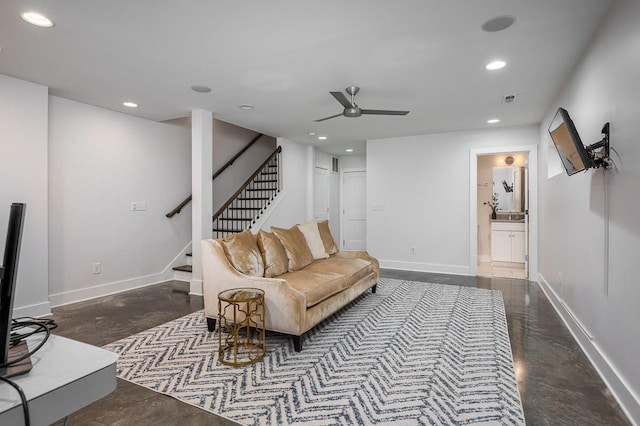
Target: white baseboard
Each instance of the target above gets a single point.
(195, 288)
(629, 402)
(182, 276)
(425, 267)
(79, 295)
(38, 310)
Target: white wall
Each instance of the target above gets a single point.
(292, 205)
(423, 183)
(23, 173)
(353, 162)
(100, 162)
(573, 260)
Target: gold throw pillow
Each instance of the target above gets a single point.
(243, 253)
(274, 255)
(295, 245)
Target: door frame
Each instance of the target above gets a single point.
(532, 151)
(342, 172)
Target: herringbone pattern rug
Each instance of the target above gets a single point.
(413, 353)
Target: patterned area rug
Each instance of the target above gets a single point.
(413, 353)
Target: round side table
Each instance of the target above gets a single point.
(241, 334)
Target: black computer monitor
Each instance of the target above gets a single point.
(8, 272)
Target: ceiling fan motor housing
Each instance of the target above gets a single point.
(352, 112)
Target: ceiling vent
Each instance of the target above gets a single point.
(509, 99)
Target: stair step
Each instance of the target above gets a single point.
(189, 254)
(233, 231)
(266, 181)
(268, 173)
(184, 268)
(259, 189)
(236, 218)
(253, 198)
(245, 208)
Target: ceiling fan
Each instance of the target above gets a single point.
(351, 109)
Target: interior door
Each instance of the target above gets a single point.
(321, 194)
(354, 208)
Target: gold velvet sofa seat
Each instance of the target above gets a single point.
(297, 300)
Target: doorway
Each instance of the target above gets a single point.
(321, 194)
(354, 210)
(504, 246)
(502, 240)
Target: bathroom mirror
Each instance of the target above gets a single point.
(508, 184)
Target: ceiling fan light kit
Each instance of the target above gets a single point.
(352, 110)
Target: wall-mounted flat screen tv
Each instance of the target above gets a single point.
(575, 157)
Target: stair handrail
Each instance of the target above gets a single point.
(186, 201)
(246, 183)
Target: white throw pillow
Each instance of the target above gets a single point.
(314, 241)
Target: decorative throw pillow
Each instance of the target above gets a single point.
(274, 255)
(330, 245)
(295, 245)
(314, 241)
(243, 253)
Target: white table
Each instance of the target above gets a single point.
(67, 375)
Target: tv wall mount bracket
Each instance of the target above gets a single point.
(601, 158)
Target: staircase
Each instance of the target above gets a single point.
(245, 207)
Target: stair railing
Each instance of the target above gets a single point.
(249, 202)
(187, 200)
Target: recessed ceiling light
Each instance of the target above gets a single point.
(495, 65)
(312, 133)
(37, 19)
(322, 138)
(349, 149)
(493, 121)
(498, 23)
(130, 104)
(201, 89)
(246, 107)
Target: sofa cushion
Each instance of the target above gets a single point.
(296, 247)
(273, 253)
(351, 268)
(243, 253)
(316, 285)
(314, 241)
(330, 245)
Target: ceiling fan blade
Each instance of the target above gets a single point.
(383, 112)
(340, 97)
(326, 118)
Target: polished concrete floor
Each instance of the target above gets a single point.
(557, 383)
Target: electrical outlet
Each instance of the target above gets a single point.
(138, 206)
(97, 268)
(412, 249)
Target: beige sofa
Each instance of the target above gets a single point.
(296, 300)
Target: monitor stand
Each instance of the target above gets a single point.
(23, 366)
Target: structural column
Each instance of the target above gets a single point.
(201, 188)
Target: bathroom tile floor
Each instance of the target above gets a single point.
(487, 269)
(558, 385)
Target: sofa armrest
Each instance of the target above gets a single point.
(284, 306)
(361, 254)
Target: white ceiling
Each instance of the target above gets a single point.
(284, 56)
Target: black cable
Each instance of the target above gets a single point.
(42, 326)
(23, 398)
